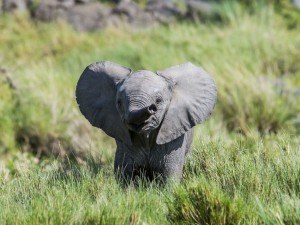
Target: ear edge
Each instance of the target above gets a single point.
(104, 66)
(174, 136)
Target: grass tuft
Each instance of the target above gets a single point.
(202, 203)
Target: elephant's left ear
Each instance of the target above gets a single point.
(96, 96)
(193, 100)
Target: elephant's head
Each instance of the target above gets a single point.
(117, 100)
(142, 100)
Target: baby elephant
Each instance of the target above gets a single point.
(150, 115)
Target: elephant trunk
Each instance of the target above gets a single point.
(141, 115)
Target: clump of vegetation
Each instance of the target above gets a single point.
(200, 203)
(267, 105)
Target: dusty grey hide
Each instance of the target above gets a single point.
(150, 115)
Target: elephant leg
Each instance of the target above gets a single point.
(126, 169)
(172, 170)
(123, 166)
(174, 159)
(171, 157)
(170, 165)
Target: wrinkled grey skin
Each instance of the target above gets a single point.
(150, 115)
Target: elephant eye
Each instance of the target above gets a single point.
(119, 103)
(158, 100)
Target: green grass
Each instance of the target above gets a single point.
(78, 195)
(244, 168)
(238, 182)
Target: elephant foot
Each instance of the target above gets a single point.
(138, 175)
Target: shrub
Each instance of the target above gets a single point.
(203, 203)
(256, 102)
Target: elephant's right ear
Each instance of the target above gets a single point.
(96, 96)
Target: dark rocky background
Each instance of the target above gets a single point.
(90, 15)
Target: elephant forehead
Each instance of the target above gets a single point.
(144, 80)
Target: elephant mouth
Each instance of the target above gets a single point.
(145, 126)
(136, 127)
